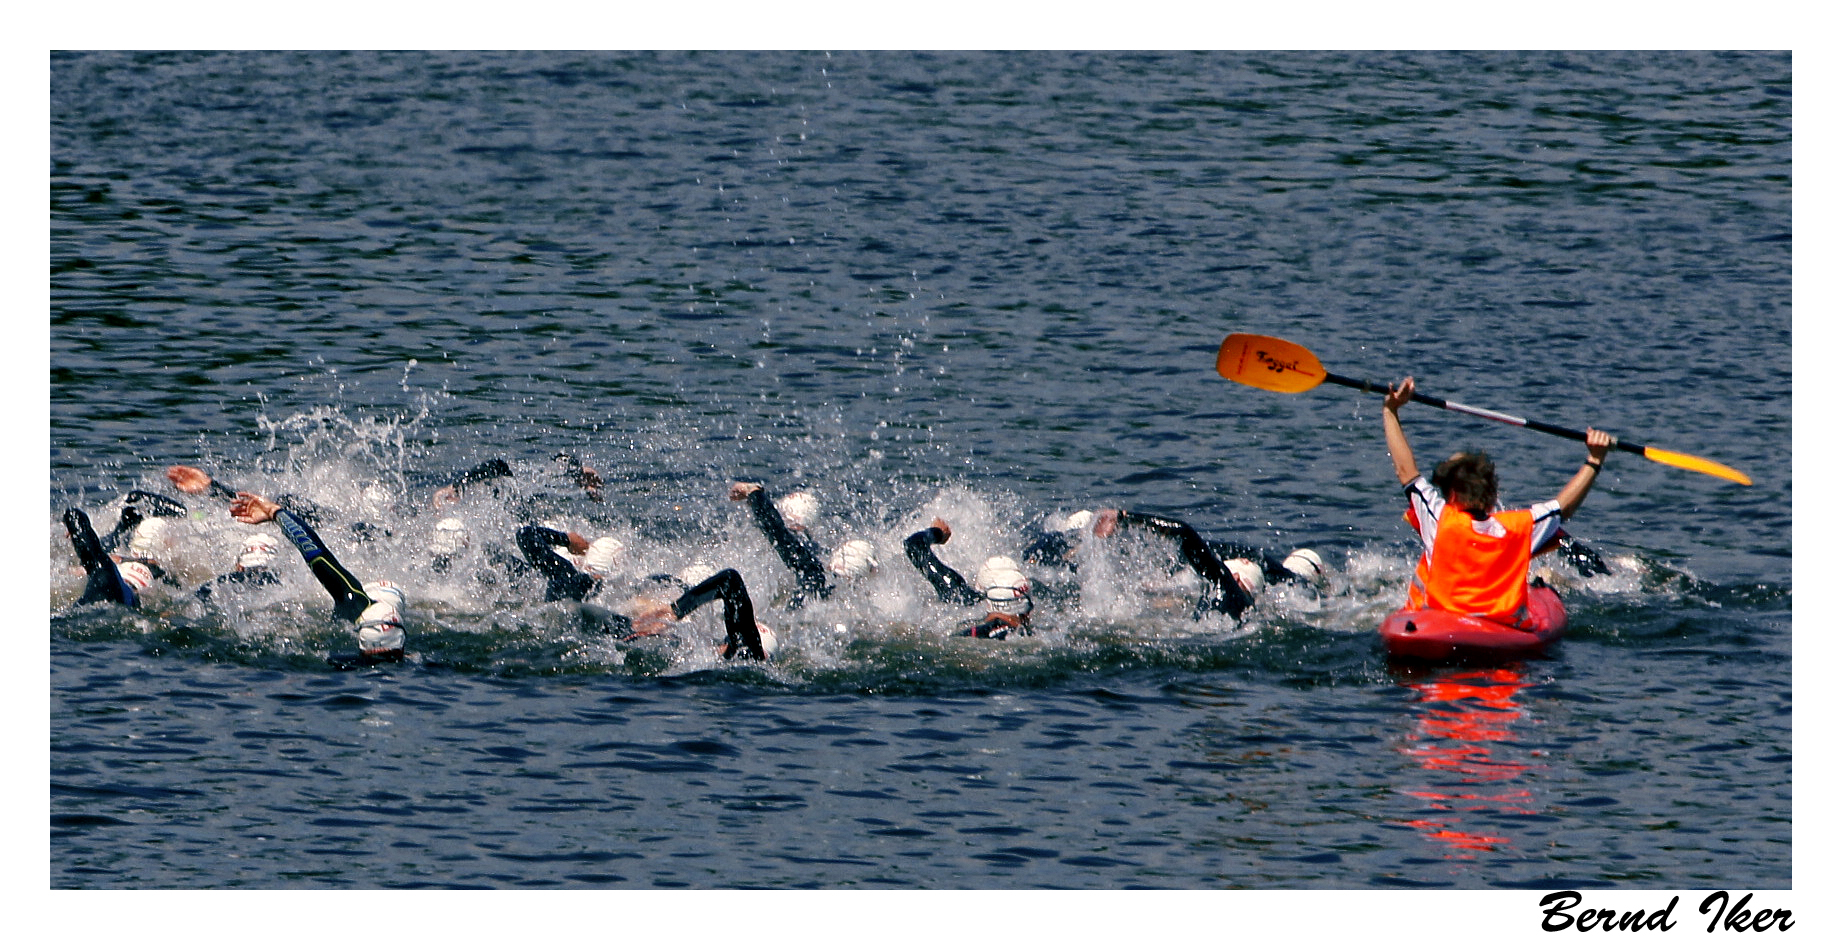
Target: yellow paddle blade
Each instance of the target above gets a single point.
(1268, 362)
(1697, 464)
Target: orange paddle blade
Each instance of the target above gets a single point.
(1268, 362)
(1697, 464)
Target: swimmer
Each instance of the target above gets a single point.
(1231, 583)
(375, 608)
(105, 580)
(254, 568)
(999, 584)
(577, 569)
(785, 525)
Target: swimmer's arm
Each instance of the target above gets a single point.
(791, 549)
(948, 584)
(349, 599)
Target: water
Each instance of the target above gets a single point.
(984, 287)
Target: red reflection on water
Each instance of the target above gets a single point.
(1464, 714)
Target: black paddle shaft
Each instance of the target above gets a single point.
(1542, 426)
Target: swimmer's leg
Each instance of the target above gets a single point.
(105, 581)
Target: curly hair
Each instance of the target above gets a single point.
(1469, 481)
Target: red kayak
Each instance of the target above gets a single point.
(1437, 635)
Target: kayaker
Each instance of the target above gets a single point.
(1475, 560)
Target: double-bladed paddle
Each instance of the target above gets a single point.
(1279, 366)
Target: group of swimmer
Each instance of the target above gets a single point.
(582, 571)
(1471, 549)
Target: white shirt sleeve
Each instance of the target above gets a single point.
(1547, 522)
(1426, 503)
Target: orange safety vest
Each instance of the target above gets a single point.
(1476, 572)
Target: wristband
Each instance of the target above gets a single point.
(1596, 466)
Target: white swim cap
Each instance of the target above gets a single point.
(450, 538)
(137, 575)
(798, 509)
(258, 550)
(696, 574)
(380, 629)
(853, 559)
(1076, 521)
(770, 641)
(991, 568)
(151, 539)
(603, 554)
(380, 614)
(1004, 586)
(380, 626)
(385, 592)
(1248, 573)
(1306, 564)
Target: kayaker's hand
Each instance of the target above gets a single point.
(1598, 443)
(1399, 395)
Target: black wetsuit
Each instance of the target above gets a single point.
(105, 582)
(349, 598)
(1272, 569)
(951, 587)
(138, 508)
(738, 612)
(243, 579)
(796, 550)
(1584, 560)
(563, 580)
(1221, 592)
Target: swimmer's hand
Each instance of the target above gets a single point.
(251, 509)
(188, 479)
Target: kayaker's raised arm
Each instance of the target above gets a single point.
(1598, 444)
(1404, 468)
